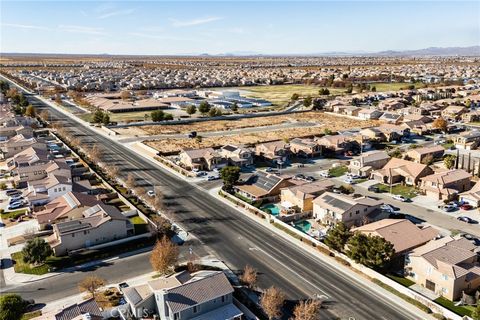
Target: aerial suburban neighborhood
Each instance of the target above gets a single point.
(193, 168)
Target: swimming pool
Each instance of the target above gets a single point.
(303, 226)
(274, 210)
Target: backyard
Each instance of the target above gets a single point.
(139, 224)
(460, 310)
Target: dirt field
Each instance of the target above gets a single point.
(326, 121)
(335, 123)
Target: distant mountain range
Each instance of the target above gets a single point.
(432, 51)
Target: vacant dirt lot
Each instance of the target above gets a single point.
(334, 123)
(325, 121)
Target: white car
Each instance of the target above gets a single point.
(151, 193)
(211, 178)
(325, 174)
(349, 180)
(387, 207)
(399, 197)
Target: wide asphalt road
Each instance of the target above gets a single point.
(234, 238)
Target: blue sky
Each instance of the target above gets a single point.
(268, 27)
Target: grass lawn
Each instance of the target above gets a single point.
(406, 191)
(31, 315)
(23, 267)
(279, 95)
(460, 310)
(394, 86)
(338, 171)
(403, 281)
(448, 145)
(139, 224)
(360, 180)
(13, 214)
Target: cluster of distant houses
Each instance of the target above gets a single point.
(61, 193)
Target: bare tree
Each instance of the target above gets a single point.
(272, 301)
(44, 115)
(161, 227)
(140, 192)
(131, 182)
(113, 172)
(249, 276)
(307, 310)
(125, 95)
(91, 284)
(95, 154)
(164, 255)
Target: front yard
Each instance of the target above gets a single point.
(403, 190)
(13, 214)
(338, 171)
(23, 267)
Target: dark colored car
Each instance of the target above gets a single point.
(374, 189)
(466, 207)
(192, 134)
(465, 219)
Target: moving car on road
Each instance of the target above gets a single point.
(465, 219)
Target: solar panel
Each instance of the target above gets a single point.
(337, 203)
(72, 226)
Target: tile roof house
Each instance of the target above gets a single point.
(67, 207)
(237, 155)
(468, 140)
(276, 151)
(87, 309)
(305, 147)
(389, 117)
(368, 161)
(447, 266)
(14, 145)
(98, 224)
(399, 170)
(262, 185)
(402, 233)
(44, 190)
(472, 196)
(204, 295)
(300, 197)
(471, 116)
(369, 114)
(330, 208)
(444, 184)
(334, 143)
(420, 155)
(202, 159)
(453, 112)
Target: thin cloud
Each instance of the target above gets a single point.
(159, 36)
(194, 22)
(115, 13)
(81, 29)
(24, 26)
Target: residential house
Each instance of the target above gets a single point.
(369, 114)
(402, 233)
(28, 157)
(393, 118)
(385, 132)
(14, 145)
(418, 127)
(425, 154)
(331, 208)
(44, 190)
(300, 197)
(67, 207)
(85, 310)
(263, 186)
(468, 140)
(277, 152)
(442, 185)
(305, 147)
(399, 170)
(237, 155)
(472, 196)
(390, 105)
(472, 116)
(99, 224)
(202, 159)
(417, 117)
(334, 143)
(447, 266)
(201, 295)
(453, 112)
(40, 170)
(368, 161)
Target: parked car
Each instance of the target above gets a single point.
(337, 190)
(11, 192)
(399, 197)
(151, 193)
(310, 178)
(270, 169)
(349, 180)
(353, 176)
(211, 178)
(466, 206)
(465, 219)
(448, 208)
(299, 176)
(192, 134)
(325, 174)
(201, 173)
(374, 189)
(123, 285)
(16, 205)
(387, 207)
